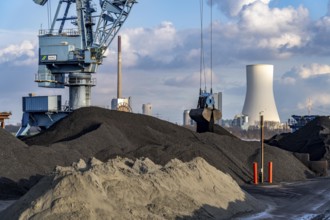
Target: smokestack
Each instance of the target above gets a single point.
(119, 95)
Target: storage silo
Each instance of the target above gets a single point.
(218, 100)
(218, 104)
(147, 109)
(259, 97)
(186, 118)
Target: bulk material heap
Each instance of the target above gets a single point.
(70, 52)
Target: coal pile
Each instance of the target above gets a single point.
(313, 138)
(105, 134)
(18, 168)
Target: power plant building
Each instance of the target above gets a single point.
(121, 104)
(259, 97)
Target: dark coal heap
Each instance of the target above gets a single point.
(313, 138)
(105, 134)
(19, 167)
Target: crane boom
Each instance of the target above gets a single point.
(114, 14)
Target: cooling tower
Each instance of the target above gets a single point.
(259, 94)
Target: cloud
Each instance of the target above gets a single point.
(302, 85)
(255, 29)
(288, 80)
(20, 54)
(265, 21)
(318, 41)
(155, 44)
(192, 80)
(166, 47)
(233, 8)
(278, 30)
(305, 71)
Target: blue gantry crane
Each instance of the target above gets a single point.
(70, 51)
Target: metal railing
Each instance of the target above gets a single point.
(65, 32)
(44, 78)
(79, 81)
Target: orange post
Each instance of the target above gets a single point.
(270, 172)
(255, 173)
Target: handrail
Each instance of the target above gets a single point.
(65, 32)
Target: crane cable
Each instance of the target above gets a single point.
(211, 41)
(202, 55)
(202, 61)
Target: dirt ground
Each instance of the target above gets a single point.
(308, 200)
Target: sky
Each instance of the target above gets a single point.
(161, 54)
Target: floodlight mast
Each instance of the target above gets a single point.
(70, 54)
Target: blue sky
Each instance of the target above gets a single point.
(161, 54)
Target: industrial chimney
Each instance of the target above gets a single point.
(259, 97)
(119, 74)
(120, 103)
